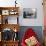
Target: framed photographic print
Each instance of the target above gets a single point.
(29, 13)
(5, 20)
(13, 12)
(12, 20)
(5, 12)
(6, 34)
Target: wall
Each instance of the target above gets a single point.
(27, 4)
(7, 3)
(32, 4)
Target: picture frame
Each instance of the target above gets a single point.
(9, 34)
(13, 20)
(5, 20)
(5, 12)
(13, 12)
(29, 13)
(10, 20)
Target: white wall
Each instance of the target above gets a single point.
(7, 3)
(32, 4)
(27, 4)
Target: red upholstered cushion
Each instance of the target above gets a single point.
(29, 33)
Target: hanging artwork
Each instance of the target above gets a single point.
(29, 13)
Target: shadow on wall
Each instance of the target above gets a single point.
(37, 29)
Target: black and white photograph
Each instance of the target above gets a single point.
(29, 13)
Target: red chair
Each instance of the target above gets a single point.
(29, 33)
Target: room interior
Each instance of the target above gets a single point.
(16, 16)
